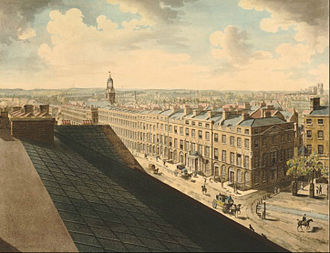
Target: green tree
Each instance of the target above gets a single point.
(304, 166)
(307, 166)
(296, 167)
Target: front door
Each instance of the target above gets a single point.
(196, 164)
(216, 171)
(231, 176)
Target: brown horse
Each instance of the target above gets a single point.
(235, 209)
(304, 223)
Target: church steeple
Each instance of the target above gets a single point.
(110, 90)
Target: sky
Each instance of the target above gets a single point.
(186, 44)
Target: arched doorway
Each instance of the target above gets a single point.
(223, 172)
(216, 170)
(196, 164)
(181, 158)
(239, 176)
(246, 179)
(207, 167)
(231, 175)
(165, 153)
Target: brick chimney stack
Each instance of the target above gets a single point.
(187, 109)
(196, 111)
(314, 103)
(210, 113)
(225, 114)
(44, 108)
(245, 115)
(28, 108)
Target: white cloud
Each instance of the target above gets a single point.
(309, 18)
(280, 69)
(83, 54)
(231, 44)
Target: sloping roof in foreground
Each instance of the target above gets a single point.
(107, 206)
(29, 221)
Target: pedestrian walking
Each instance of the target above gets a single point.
(320, 189)
(251, 228)
(317, 190)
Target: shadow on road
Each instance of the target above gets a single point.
(315, 229)
(272, 219)
(301, 195)
(319, 197)
(242, 218)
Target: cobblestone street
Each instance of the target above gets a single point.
(282, 209)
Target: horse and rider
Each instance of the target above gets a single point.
(304, 222)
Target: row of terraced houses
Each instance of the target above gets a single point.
(245, 145)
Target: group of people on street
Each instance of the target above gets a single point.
(318, 189)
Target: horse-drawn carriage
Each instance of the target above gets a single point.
(227, 204)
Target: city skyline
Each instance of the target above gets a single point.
(187, 44)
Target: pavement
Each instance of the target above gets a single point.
(280, 225)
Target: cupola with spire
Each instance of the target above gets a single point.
(110, 90)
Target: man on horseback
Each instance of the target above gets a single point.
(304, 222)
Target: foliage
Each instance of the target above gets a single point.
(305, 166)
(296, 167)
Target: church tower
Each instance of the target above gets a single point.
(110, 90)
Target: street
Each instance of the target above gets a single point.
(282, 209)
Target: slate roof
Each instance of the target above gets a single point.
(322, 111)
(202, 115)
(100, 214)
(216, 118)
(178, 115)
(286, 114)
(262, 122)
(107, 206)
(167, 112)
(232, 121)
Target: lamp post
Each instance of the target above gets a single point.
(294, 183)
(311, 186)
